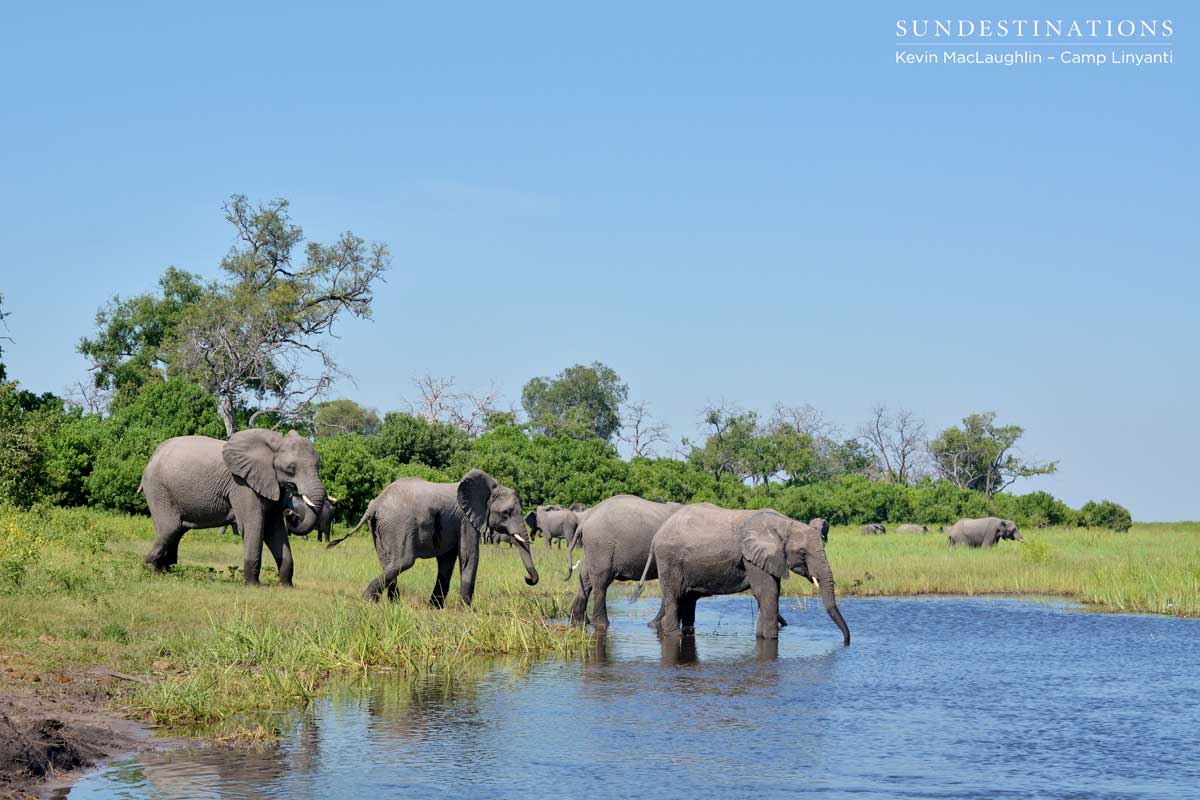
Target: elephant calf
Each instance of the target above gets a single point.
(874, 529)
(983, 532)
(414, 518)
(913, 529)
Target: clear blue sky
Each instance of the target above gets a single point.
(757, 206)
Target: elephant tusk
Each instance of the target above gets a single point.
(331, 499)
(308, 502)
(816, 583)
(519, 538)
(577, 563)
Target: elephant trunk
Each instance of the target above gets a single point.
(312, 495)
(824, 577)
(531, 577)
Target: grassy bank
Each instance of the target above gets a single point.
(74, 594)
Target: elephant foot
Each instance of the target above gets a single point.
(688, 630)
(287, 584)
(600, 627)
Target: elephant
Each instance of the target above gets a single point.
(705, 550)
(983, 532)
(616, 536)
(874, 529)
(414, 518)
(555, 522)
(913, 529)
(251, 479)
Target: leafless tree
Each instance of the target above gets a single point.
(897, 441)
(441, 402)
(805, 419)
(87, 397)
(640, 430)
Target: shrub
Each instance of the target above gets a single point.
(1105, 514)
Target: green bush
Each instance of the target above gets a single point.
(1105, 514)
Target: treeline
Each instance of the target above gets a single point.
(53, 453)
(253, 349)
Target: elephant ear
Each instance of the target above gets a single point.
(761, 541)
(250, 455)
(531, 520)
(474, 490)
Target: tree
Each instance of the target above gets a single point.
(407, 439)
(1105, 514)
(3, 314)
(579, 403)
(640, 431)
(128, 350)
(27, 424)
(726, 448)
(978, 455)
(344, 416)
(442, 403)
(897, 442)
(260, 338)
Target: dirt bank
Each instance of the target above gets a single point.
(52, 724)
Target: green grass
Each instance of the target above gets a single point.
(74, 595)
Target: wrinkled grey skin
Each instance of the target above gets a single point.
(555, 522)
(704, 550)
(983, 532)
(293, 513)
(874, 529)
(414, 518)
(616, 536)
(199, 482)
(913, 529)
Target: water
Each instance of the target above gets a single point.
(936, 698)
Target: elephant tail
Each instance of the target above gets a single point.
(641, 587)
(140, 489)
(367, 515)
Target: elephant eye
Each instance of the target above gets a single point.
(290, 469)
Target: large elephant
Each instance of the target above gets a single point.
(554, 522)
(414, 518)
(704, 550)
(913, 529)
(983, 532)
(324, 526)
(616, 536)
(200, 482)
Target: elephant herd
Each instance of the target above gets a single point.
(985, 532)
(268, 486)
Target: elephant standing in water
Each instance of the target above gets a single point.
(414, 518)
(983, 532)
(555, 522)
(705, 550)
(199, 482)
(616, 536)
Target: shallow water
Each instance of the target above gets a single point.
(939, 698)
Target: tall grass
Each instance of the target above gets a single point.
(74, 593)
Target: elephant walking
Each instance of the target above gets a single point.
(616, 536)
(983, 532)
(251, 480)
(414, 518)
(553, 521)
(705, 550)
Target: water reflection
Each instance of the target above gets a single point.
(946, 698)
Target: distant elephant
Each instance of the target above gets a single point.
(983, 532)
(554, 522)
(199, 482)
(704, 550)
(414, 518)
(616, 536)
(913, 529)
(874, 529)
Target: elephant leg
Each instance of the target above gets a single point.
(600, 586)
(281, 550)
(442, 584)
(164, 553)
(765, 588)
(468, 562)
(687, 613)
(669, 625)
(388, 579)
(579, 606)
(250, 515)
(657, 619)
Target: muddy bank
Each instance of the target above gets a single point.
(54, 724)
